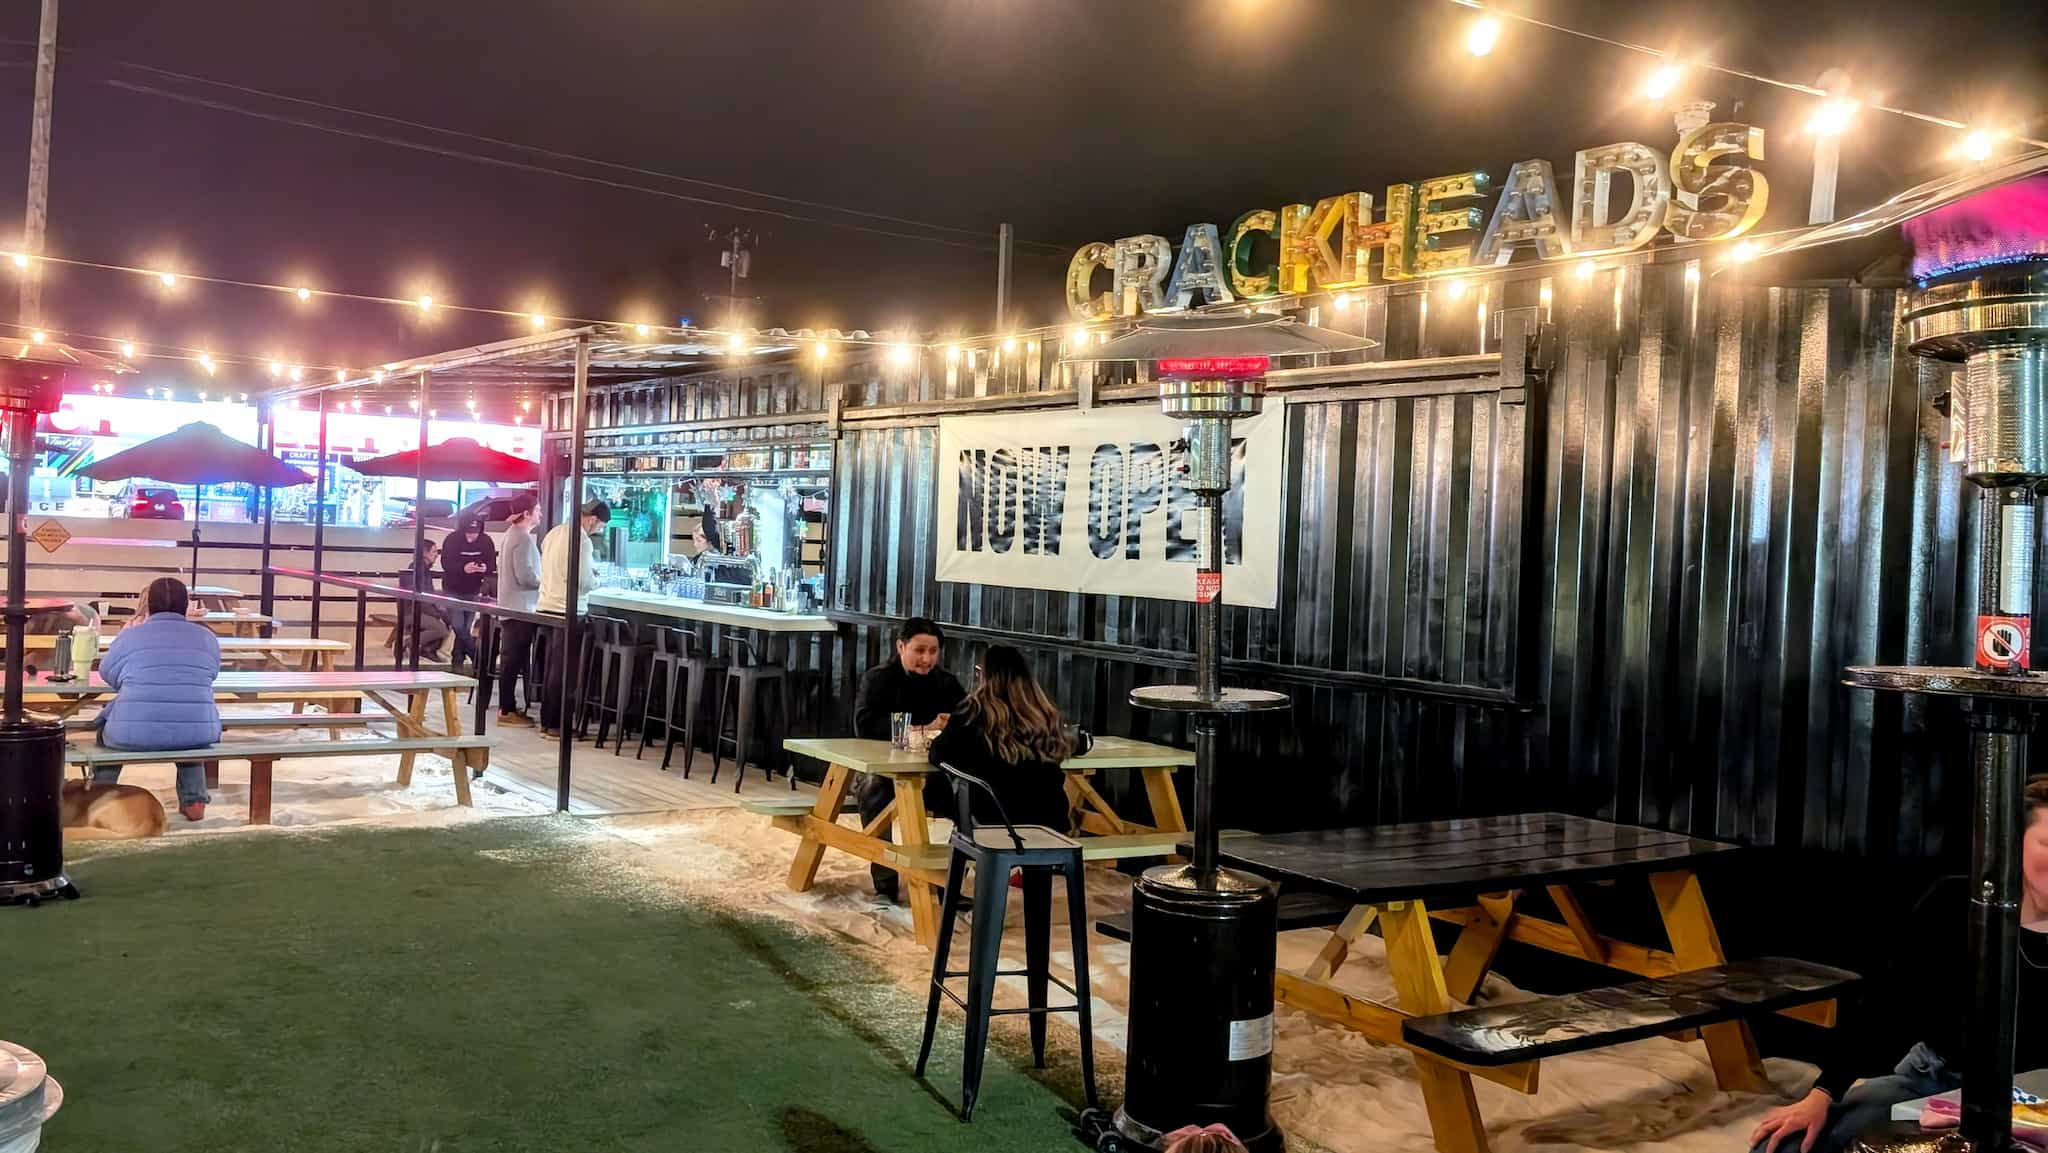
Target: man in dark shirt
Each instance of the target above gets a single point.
(469, 562)
(911, 683)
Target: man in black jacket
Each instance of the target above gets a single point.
(469, 564)
(911, 683)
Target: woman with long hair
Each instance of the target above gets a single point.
(1008, 733)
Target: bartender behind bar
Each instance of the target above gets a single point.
(911, 683)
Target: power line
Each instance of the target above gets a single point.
(557, 154)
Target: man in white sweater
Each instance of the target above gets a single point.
(518, 588)
(554, 597)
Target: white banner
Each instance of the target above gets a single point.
(1097, 502)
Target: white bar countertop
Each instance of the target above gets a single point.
(738, 616)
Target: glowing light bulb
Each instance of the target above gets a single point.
(387, 410)
(39, 336)
(1742, 252)
(245, 396)
(340, 375)
(433, 414)
(276, 369)
(900, 355)
(304, 294)
(1585, 270)
(206, 362)
(1454, 287)
(415, 405)
(821, 350)
(526, 406)
(167, 279)
(426, 303)
(640, 330)
(737, 342)
(202, 398)
(1482, 36)
(1976, 146)
(1692, 272)
(127, 350)
(1662, 81)
(20, 259)
(472, 404)
(537, 321)
(1341, 301)
(1009, 344)
(297, 373)
(377, 377)
(356, 404)
(952, 354)
(1832, 118)
(1077, 335)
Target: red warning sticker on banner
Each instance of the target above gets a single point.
(1208, 586)
(2002, 642)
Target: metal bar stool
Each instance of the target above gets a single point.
(1039, 852)
(742, 687)
(615, 657)
(672, 646)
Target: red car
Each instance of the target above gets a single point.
(152, 503)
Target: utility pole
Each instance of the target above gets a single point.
(38, 214)
(737, 258)
(1005, 239)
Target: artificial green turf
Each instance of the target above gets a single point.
(480, 988)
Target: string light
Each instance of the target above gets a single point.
(1482, 36)
(377, 377)
(426, 303)
(20, 259)
(1585, 270)
(900, 355)
(341, 376)
(1832, 117)
(276, 370)
(1743, 252)
(304, 294)
(1078, 335)
(206, 362)
(127, 350)
(1976, 146)
(537, 321)
(821, 351)
(1662, 80)
(1341, 301)
(1454, 287)
(737, 342)
(167, 279)
(39, 336)
(1009, 344)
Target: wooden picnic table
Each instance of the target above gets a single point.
(1477, 870)
(404, 695)
(912, 854)
(238, 622)
(312, 654)
(216, 598)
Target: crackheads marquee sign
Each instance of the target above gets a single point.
(1097, 501)
(1704, 189)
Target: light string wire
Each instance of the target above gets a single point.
(1730, 70)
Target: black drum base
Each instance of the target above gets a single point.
(1201, 1013)
(33, 893)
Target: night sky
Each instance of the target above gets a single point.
(1075, 121)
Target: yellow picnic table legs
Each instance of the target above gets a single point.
(1697, 945)
(412, 722)
(913, 834)
(1099, 817)
(1419, 983)
(803, 872)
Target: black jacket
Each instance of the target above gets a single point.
(1031, 792)
(1920, 992)
(888, 688)
(457, 553)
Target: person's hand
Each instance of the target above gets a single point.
(1804, 1116)
(938, 722)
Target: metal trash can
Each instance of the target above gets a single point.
(32, 812)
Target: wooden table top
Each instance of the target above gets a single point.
(37, 641)
(885, 759)
(1462, 858)
(313, 684)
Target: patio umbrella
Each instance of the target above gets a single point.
(197, 453)
(459, 458)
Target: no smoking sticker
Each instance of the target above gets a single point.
(1208, 586)
(2002, 642)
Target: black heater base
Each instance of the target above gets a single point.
(1201, 1015)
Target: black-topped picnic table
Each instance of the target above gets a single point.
(1474, 872)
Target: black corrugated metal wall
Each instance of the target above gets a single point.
(1626, 592)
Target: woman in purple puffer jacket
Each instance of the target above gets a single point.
(162, 669)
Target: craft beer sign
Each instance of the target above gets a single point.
(1098, 502)
(1704, 189)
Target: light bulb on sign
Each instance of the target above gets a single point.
(1482, 36)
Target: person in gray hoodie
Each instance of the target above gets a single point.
(518, 588)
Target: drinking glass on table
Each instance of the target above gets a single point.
(899, 730)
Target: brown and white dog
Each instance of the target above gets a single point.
(111, 812)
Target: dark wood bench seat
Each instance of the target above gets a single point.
(1598, 1018)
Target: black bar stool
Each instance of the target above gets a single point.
(672, 646)
(742, 689)
(615, 653)
(1039, 852)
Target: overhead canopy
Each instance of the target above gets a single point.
(197, 453)
(458, 458)
(1213, 335)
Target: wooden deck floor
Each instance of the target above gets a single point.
(603, 784)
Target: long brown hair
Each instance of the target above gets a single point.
(1020, 722)
(2037, 798)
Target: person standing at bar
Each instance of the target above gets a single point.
(911, 682)
(554, 597)
(518, 588)
(468, 561)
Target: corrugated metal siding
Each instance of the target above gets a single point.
(1730, 493)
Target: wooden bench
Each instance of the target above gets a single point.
(75, 724)
(1597, 1018)
(465, 750)
(793, 805)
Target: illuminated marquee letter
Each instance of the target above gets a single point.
(1394, 236)
(1139, 274)
(1713, 197)
(1244, 280)
(1526, 214)
(1199, 269)
(1081, 275)
(1307, 257)
(1595, 228)
(1434, 222)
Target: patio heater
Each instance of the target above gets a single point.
(1981, 301)
(31, 747)
(1203, 937)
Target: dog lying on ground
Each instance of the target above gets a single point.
(111, 812)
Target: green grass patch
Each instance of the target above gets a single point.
(492, 987)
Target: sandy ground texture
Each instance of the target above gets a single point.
(1333, 1090)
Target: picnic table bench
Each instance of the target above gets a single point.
(922, 863)
(1478, 870)
(402, 695)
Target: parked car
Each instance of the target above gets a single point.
(439, 513)
(151, 502)
(494, 507)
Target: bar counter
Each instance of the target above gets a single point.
(736, 616)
